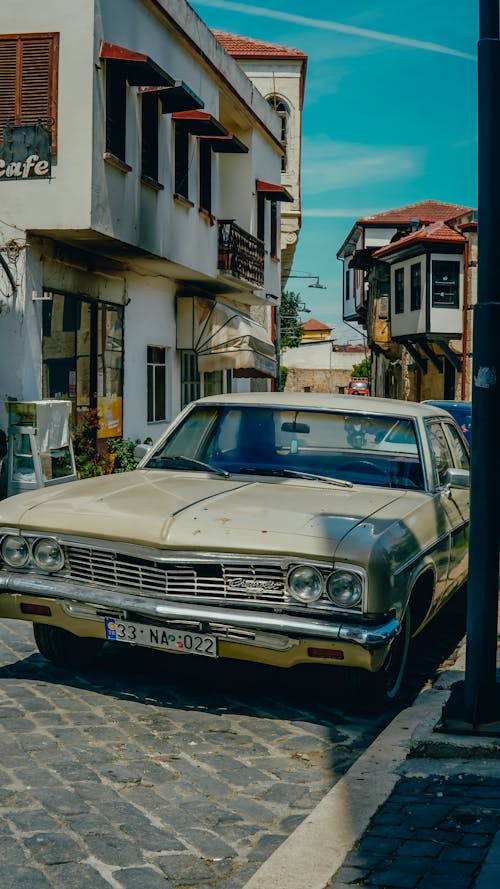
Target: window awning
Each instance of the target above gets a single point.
(229, 144)
(136, 67)
(273, 192)
(224, 339)
(178, 97)
(199, 123)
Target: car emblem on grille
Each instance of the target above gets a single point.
(253, 584)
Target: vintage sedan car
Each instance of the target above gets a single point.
(259, 527)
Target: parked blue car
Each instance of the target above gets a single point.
(460, 410)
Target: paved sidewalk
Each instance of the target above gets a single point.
(418, 810)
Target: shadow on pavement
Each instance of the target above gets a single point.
(236, 687)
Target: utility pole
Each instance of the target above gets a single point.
(474, 705)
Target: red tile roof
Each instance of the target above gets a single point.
(313, 324)
(437, 233)
(248, 48)
(426, 211)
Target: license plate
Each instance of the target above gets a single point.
(161, 637)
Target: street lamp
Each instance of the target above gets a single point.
(316, 285)
(300, 307)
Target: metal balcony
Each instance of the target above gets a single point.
(240, 254)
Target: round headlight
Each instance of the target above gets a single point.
(48, 555)
(15, 551)
(305, 583)
(345, 588)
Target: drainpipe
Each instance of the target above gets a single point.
(465, 321)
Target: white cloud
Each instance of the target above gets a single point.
(328, 165)
(326, 24)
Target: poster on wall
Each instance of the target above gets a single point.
(110, 416)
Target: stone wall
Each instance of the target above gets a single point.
(317, 380)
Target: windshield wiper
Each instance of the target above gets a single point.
(295, 473)
(339, 482)
(181, 458)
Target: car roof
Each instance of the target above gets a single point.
(325, 401)
(446, 405)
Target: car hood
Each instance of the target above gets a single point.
(194, 511)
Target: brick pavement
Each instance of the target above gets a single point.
(432, 832)
(155, 772)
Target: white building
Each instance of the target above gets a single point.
(140, 194)
(410, 277)
(279, 73)
(320, 366)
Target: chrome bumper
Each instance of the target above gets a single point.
(369, 637)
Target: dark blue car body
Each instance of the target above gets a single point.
(461, 411)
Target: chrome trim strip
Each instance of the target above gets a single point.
(367, 637)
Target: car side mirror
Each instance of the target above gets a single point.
(458, 478)
(141, 450)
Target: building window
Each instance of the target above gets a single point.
(149, 131)
(28, 81)
(190, 377)
(274, 229)
(399, 291)
(82, 353)
(157, 377)
(181, 151)
(445, 283)
(416, 286)
(116, 98)
(261, 216)
(205, 176)
(347, 285)
(283, 111)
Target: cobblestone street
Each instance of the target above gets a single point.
(112, 779)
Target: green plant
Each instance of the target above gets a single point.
(283, 378)
(123, 450)
(363, 369)
(290, 327)
(89, 462)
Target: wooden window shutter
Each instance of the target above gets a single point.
(28, 80)
(8, 67)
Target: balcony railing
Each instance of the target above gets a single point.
(240, 253)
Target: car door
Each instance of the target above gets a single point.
(448, 452)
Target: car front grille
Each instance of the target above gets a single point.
(229, 581)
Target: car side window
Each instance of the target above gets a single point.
(443, 459)
(458, 449)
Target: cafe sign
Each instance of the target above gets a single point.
(25, 152)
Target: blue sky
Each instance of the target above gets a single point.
(389, 114)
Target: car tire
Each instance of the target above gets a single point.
(380, 688)
(65, 649)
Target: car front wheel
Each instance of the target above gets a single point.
(65, 649)
(383, 686)
(388, 680)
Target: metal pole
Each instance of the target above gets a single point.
(474, 706)
(482, 612)
(277, 345)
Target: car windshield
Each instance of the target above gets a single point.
(347, 446)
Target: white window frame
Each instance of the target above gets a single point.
(152, 380)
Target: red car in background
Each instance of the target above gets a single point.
(358, 387)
